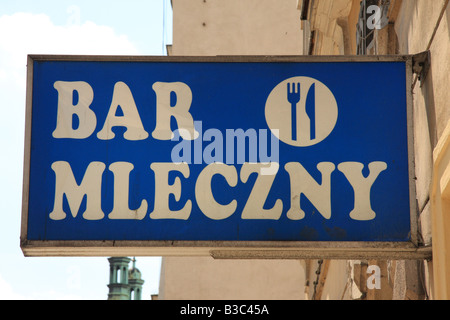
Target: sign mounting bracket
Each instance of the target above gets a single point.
(421, 65)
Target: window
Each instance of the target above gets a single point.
(373, 16)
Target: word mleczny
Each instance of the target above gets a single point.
(301, 182)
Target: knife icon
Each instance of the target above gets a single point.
(310, 109)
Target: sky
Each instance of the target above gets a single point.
(100, 27)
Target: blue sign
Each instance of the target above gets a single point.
(217, 149)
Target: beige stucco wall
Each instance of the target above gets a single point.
(236, 27)
(418, 30)
(414, 27)
(205, 278)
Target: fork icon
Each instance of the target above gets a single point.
(293, 96)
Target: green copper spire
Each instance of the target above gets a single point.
(124, 283)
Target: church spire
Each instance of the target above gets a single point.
(135, 282)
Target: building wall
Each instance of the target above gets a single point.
(423, 27)
(414, 26)
(234, 27)
(203, 278)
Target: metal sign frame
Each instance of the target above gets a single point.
(227, 249)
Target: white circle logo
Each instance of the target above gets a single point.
(301, 111)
